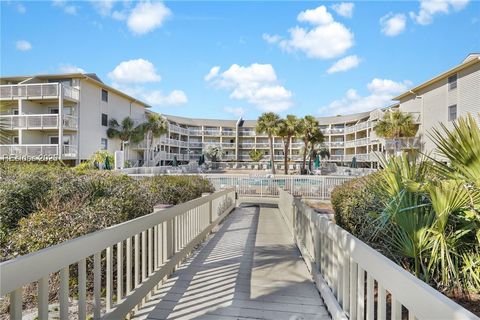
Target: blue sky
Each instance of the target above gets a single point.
(225, 59)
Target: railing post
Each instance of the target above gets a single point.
(210, 212)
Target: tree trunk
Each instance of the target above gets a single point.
(310, 152)
(285, 154)
(305, 151)
(272, 161)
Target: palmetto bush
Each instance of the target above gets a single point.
(433, 208)
(430, 209)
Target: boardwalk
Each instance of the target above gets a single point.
(249, 269)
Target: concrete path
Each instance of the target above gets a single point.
(249, 269)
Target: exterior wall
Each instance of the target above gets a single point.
(433, 102)
(90, 126)
(469, 91)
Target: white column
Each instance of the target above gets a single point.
(60, 121)
(20, 112)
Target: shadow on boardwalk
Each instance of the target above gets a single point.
(249, 269)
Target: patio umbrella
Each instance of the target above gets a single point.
(354, 162)
(107, 164)
(175, 161)
(316, 163)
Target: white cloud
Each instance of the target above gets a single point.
(134, 71)
(21, 8)
(147, 16)
(68, 68)
(103, 7)
(344, 64)
(271, 38)
(238, 112)
(344, 9)
(315, 16)
(393, 24)
(325, 40)
(381, 92)
(23, 45)
(129, 76)
(67, 8)
(257, 84)
(430, 8)
(156, 98)
(212, 74)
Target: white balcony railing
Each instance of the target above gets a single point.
(403, 143)
(37, 121)
(37, 91)
(36, 150)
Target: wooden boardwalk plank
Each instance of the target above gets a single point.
(249, 269)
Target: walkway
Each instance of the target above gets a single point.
(249, 269)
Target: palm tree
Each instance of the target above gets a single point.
(154, 127)
(316, 138)
(126, 131)
(395, 125)
(309, 130)
(268, 123)
(288, 128)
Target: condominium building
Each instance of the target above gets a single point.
(32, 106)
(62, 116)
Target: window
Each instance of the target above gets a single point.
(16, 140)
(104, 144)
(452, 112)
(15, 111)
(53, 140)
(53, 110)
(104, 120)
(104, 95)
(452, 82)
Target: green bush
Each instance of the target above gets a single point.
(178, 189)
(42, 205)
(356, 204)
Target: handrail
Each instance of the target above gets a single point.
(342, 266)
(170, 233)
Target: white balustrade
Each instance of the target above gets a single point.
(347, 272)
(165, 242)
(37, 91)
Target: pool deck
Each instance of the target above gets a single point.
(249, 269)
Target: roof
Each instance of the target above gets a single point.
(92, 77)
(470, 60)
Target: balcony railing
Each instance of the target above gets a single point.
(228, 133)
(37, 151)
(403, 143)
(212, 132)
(37, 91)
(37, 121)
(177, 129)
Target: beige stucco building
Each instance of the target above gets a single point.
(31, 107)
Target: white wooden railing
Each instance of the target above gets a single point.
(37, 121)
(315, 187)
(36, 151)
(37, 91)
(147, 250)
(348, 272)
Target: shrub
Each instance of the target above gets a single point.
(22, 188)
(356, 204)
(177, 189)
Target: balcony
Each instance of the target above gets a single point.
(195, 132)
(228, 133)
(249, 133)
(177, 129)
(403, 143)
(38, 151)
(195, 144)
(212, 132)
(37, 121)
(336, 144)
(38, 91)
